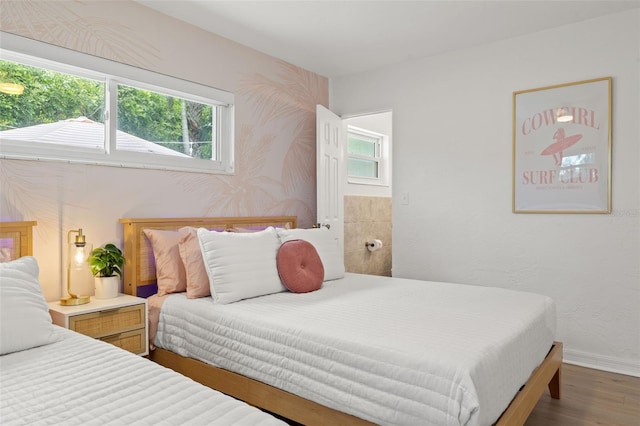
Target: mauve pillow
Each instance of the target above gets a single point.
(299, 266)
(325, 243)
(5, 254)
(170, 273)
(197, 278)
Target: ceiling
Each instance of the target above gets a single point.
(334, 38)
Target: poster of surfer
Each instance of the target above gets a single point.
(562, 148)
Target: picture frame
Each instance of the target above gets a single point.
(562, 148)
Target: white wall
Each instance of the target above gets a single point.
(452, 154)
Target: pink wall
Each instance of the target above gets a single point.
(274, 119)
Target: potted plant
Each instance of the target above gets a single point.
(106, 265)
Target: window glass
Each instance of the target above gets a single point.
(358, 145)
(172, 125)
(51, 107)
(363, 168)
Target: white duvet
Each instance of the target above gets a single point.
(82, 381)
(388, 350)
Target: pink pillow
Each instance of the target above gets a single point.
(299, 266)
(170, 272)
(197, 278)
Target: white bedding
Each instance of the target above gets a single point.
(81, 381)
(388, 350)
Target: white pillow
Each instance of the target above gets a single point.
(24, 314)
(326, 246)
(240, 265)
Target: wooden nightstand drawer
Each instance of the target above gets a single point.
(132, 341)
(109, 322)
(121, 321)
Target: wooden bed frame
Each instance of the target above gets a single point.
(139, 275)
(18, 237)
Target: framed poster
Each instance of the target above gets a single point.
(562, 148)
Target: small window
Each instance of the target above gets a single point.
(366, 159)
(103, 112)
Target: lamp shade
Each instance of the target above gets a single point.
(79, 278)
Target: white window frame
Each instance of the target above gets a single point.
(30, 52)
(382, 157)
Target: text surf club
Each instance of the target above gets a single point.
(574, 174)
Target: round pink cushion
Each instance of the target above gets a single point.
(299, 266)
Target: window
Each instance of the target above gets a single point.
(366, 157)
(80, 108)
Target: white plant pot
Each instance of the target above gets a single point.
(107, 287)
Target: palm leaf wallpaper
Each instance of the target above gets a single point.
(63, 24)
(274, 131)
(292, 96)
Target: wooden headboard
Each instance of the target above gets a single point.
(140, 267)
(16, 239)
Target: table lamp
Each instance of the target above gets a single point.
(79, 251)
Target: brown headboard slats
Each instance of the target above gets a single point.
(140, 270)
(16, 238)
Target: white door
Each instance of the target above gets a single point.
(330, 172)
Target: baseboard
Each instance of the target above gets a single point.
(602, 362)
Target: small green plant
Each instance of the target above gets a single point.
(106, 261)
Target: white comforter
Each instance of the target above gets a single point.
(81, 381)
(388, 350)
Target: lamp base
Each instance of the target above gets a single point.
(72, 301)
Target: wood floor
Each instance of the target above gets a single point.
(590, 397)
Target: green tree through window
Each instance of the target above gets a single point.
(49, 96)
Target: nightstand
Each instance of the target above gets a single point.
(121, 321)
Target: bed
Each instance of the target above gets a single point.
(51, 375)
(394, 353)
